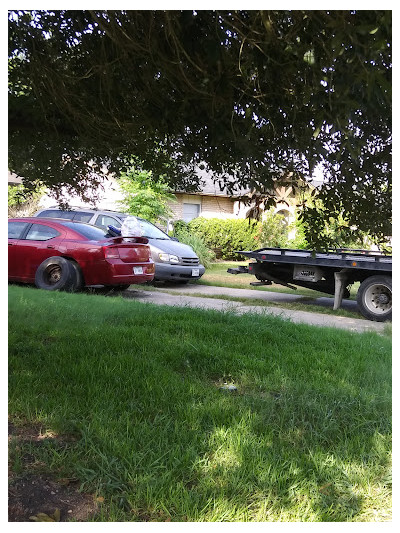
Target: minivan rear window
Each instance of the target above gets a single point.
(57, 213)
(81, 216)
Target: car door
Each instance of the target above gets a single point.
(16, 228)
(39, 243)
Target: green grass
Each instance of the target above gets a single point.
(218, 276)
(296, 306)
(305, 437)
(305, 304)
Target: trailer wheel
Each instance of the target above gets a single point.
(374, 298)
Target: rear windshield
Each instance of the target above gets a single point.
(57, 213)
(79, 216)
(92, 233)
(151, 231)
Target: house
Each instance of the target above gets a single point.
(13, 179)
(213, 202)
(209, 202)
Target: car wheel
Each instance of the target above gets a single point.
(55, 274)
(374, 298)
(78, 283)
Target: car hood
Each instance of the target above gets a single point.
(173, 247)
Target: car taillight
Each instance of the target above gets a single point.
(111, 252)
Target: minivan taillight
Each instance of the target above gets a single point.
(111, 252)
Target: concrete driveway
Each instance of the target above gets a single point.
(191, 296)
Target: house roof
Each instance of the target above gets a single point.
(209, 186)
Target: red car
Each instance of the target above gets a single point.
(65, 255)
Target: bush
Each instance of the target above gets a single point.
(225, 236)
(204, 253)
(23, 202)
(273, 231)
(299, 241)
(180, 226)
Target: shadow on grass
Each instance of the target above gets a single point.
(304, 437)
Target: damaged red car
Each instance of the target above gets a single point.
(66, 255)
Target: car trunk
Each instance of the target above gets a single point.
(135, 251)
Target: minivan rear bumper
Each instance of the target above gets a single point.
(166, 272)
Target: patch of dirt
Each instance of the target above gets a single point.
(32, 493)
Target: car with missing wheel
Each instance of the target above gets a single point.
(61, 254)
(174, 261)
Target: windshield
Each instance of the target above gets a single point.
(152, 232)
(92, 233)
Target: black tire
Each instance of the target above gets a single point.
(374, 298)
(78, 278)
(55, 274)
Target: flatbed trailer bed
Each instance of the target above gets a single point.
(331, 272)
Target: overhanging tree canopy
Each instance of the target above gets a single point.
(251, 94)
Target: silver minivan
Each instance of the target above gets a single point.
(174, 261)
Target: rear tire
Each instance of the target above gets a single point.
(78, 278)
(374, 298)
(55, 274)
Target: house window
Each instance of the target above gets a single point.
(190, 211)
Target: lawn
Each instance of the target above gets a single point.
(137, 395)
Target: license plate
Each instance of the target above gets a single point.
(138, 270)
(195, 272)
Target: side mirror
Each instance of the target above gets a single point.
(174, 239)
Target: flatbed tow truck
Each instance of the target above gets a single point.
(330, 272)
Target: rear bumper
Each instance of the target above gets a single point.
(116, 272)
(166, 272)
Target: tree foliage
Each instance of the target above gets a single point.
(143, 196)
(252, 95)
(23, 201)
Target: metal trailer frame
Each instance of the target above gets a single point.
(346, 266)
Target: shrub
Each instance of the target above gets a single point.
(299, 241)
(225, 236)
(204, 253)
(274, 231)
(180, 226)
(23, 202)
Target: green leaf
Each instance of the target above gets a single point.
(309, 57)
